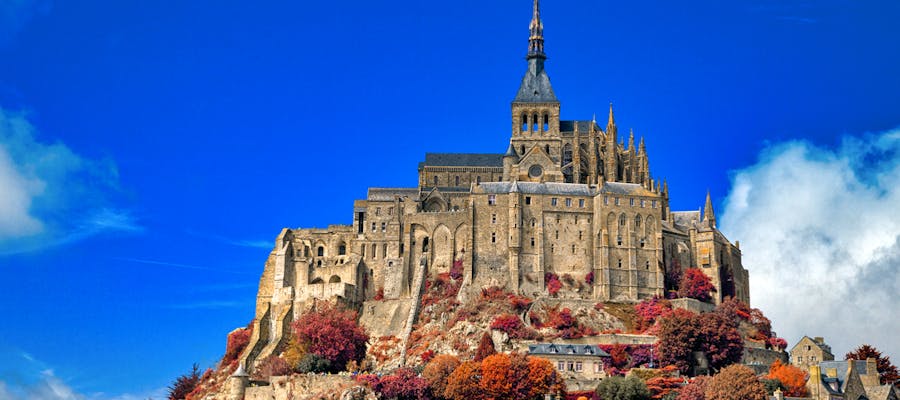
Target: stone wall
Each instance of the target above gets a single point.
(692, 305)
(300, 387)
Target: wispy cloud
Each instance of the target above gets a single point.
(820, 235)
(23, 377)
(51, 195)
(259, 244)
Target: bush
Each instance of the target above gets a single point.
(648, 311)
(379, 295)
(437, 371)
(313, 363)
(456, 269)
(619, 388)
(519, 303)
(331, 333)
(485, 347)
(272, 366)
(589, 278)
(791, 378)
(695, 285)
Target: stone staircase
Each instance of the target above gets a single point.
(415, 303)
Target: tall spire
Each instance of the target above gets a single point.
(536, 39)
(612, 118)
(708, 213)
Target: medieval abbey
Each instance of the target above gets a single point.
(566, 197)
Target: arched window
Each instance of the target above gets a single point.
(622, 220)
(547, 149)
(523, 149)
(524, 123)
(320, 251)
(319, 263)
(534, 123)
(532, 222)
(342, 249)
(425, 245)
(637, 221)
(546, 122)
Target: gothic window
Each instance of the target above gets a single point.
(546, 122)
(534, 123)
(342, 249)
(425, 245)
(320, 251)
(622, 220)
(637, 221)
(524, 123)
(492, 199)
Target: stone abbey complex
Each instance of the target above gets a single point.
(567, 197)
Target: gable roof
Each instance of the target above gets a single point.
(566, 349)
(463, 160)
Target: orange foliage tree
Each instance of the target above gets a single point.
(663, 387)
(519, 377)
(792, 378)
(465, 382)
(438, 371)
(735, 382)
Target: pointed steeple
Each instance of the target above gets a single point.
(612, 118)
(631, 140)
(535, 86)
(642, 149)
(708, 213)
(536, 40)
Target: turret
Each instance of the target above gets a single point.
(509, 159)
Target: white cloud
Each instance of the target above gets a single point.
(50, 194)
(820, 234)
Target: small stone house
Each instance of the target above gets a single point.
(808, 352)
(848, 380)
(581, 365)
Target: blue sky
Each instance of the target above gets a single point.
(151, 151)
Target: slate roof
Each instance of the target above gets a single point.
(563, 189)
(463, 160)
(535, 86)
(685, 218)
(388, 194)
(632, 189)
(583, 126)
(564, 349)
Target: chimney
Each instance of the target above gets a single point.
(871, 377)
(814, 383)
(819, 340)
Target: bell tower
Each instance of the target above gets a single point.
(535, 110)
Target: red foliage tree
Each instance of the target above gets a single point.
(333, 334)
(513, 326)
(465, 382)
(663, 386)
(696, 285)
(886, 370)
(404, 384)
(272, 366)
(437, 371)
(235, 344)
(792, 378)
(553, 283)
(519, 303)
(695, 390)
(648, 311)
(184, 384)
(679, 334)
(720, 339)
(735, 382)
(485, 347)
